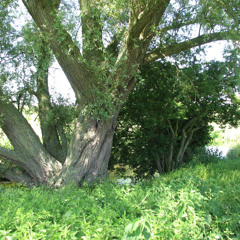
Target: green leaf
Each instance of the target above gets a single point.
(146, 234)
(68, 214)
(181, 210)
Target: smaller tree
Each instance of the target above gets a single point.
(169, 111)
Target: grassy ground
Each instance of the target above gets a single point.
(195, 202)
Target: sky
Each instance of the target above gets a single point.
(59, 84)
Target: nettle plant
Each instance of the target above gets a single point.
(100, 46)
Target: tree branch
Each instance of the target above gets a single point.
(16, 175)
(16, 127)
(34, 158)
(144, 19)
(189, 125)
(170, 127)
(178, 25)
(9, 155)
(45, 15)
(112, 47)
(63, 138)
(48, 123)
(176, 48)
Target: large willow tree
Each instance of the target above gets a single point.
(116, 38)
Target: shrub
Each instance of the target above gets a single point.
(168, 112)
(206, 155)
(234, 152)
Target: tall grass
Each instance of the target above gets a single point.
(200, 201)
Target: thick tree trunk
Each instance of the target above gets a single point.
(87, 159)
(91, 142)
(186, 140)
(89, 152)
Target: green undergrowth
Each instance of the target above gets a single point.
(200, 201)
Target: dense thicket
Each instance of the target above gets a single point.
(169, 112)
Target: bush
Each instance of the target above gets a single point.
(168, 112)
(234, 152)
(206, 155)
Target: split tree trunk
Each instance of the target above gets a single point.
(87, 159)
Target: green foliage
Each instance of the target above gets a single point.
(136, 229)
(200, 201)
(7, 37)
(206, 155)
(168, 113)
(217, 138)
(65, 115)
(234, 152)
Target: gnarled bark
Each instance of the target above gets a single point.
(87, 159)
(15, 174)
(89, 151)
